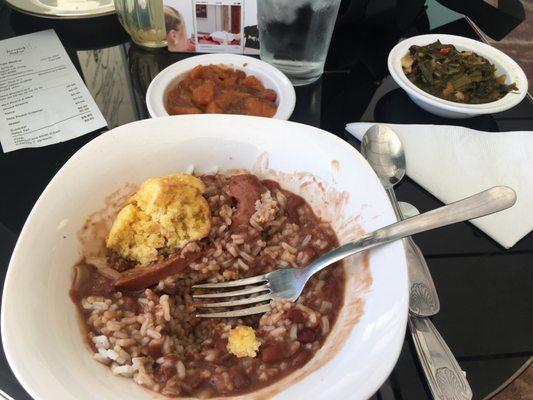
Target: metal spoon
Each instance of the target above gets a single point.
(384, 151)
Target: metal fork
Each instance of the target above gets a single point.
(288, 284)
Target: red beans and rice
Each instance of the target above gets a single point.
(153, 336)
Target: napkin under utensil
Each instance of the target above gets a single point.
(452, 162)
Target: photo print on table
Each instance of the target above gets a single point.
(212, 26)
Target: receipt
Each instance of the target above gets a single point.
(43, 99)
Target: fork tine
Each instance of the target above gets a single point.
(253, 289)
(238, 282)
(240, 302)
(237, 313)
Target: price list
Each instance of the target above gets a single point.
(43, 100)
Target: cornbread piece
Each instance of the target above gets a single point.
(242, 342)
(163, 216)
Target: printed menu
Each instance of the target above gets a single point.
(43, 99)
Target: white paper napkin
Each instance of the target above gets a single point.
(453, 162)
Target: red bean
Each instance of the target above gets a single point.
(296, 316)
(306, 335)
(221, 343)
(130, 304)
(262, 263)
(310, 252)
(300, 358)
(274, 353)
(154, 348)
(172, 389)
(167, 371)
(222, 383)
(172, 358)
(191, 355)
(195, 380)
(239, 377)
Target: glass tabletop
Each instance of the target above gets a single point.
(485, 290)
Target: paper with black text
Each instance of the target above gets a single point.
(43, 99)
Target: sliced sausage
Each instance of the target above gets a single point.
(246, 189)
(142, 277)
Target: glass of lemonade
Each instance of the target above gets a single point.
(143, 20)
(294, 36)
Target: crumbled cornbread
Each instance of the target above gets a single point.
(242, 342)
(164, 215)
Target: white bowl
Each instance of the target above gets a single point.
(40, 330)
(449, 109)
(271, 77)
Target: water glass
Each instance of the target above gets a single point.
(143, 20)
(294, 36)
